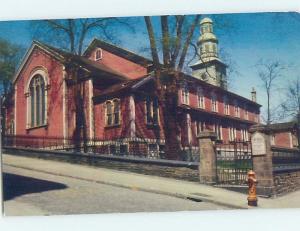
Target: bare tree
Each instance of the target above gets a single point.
(269, 72)
(291, 105)
(71, 34)
(175, 39)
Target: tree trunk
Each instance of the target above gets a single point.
(168, 98)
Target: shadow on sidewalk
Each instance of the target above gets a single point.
(16, 185)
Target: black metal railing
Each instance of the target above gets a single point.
(117, 147)
(233, 160)
(285, 158)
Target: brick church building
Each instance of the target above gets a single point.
(119, 107)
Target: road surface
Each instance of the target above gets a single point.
(28, 192)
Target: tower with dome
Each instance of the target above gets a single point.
(209, 67)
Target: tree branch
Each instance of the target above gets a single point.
(153, 46)
(187, 43)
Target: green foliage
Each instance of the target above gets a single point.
(9, 59)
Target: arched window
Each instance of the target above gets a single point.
(113, 112)
(98, 54)
(37, 94)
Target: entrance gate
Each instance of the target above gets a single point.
(234, 160)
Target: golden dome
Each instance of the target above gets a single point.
(206, 20)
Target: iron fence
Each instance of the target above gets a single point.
(119, 147)
(233, 160)
(284, 158)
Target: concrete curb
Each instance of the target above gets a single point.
(177, 195)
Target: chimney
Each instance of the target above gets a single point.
(253, 94)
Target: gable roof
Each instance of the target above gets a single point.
(282, 126)
(124, 53)
(123, 86)
(65, 57)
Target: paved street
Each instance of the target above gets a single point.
(35, 186)
(28, 192)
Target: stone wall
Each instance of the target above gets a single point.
(286, 181)
(165, 168)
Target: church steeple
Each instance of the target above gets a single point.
(209, 67)
(207, 42)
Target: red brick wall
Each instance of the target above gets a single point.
(122, 131)
(143, 130)
(193, 102)
(283, 139)
(130, 69)
(54, 112)
(109, 133)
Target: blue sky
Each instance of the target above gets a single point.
(246, 38)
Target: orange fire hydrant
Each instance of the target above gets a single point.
(252, 182)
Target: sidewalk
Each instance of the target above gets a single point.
(166, 186)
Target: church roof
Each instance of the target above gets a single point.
(282, 126)
(65, 57)
(124, 53)
(122, 87)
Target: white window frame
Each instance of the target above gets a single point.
(218, 130)
(42, 72)
(185, 95)
(232, 133)
(200, 96)
(200, 126)
(99, 50)
(214, 102)
(113, 119)
(226, 106)
(151, 100)
(236, 109)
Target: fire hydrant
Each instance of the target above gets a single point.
(252, 182)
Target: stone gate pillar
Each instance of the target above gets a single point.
(207, 165)
(262, 159)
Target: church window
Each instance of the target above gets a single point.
(232, 133)
(185, 94)
(201, 103)
(226, 106)
(113, 113)
(246, 112)
(236, 109)
(200, 127)
(214, 104)
(218, 130)
(245, 136)
(98, 54)
(37, 99)
(152, 111)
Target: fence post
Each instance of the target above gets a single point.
(207, 165)
(262, 159)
